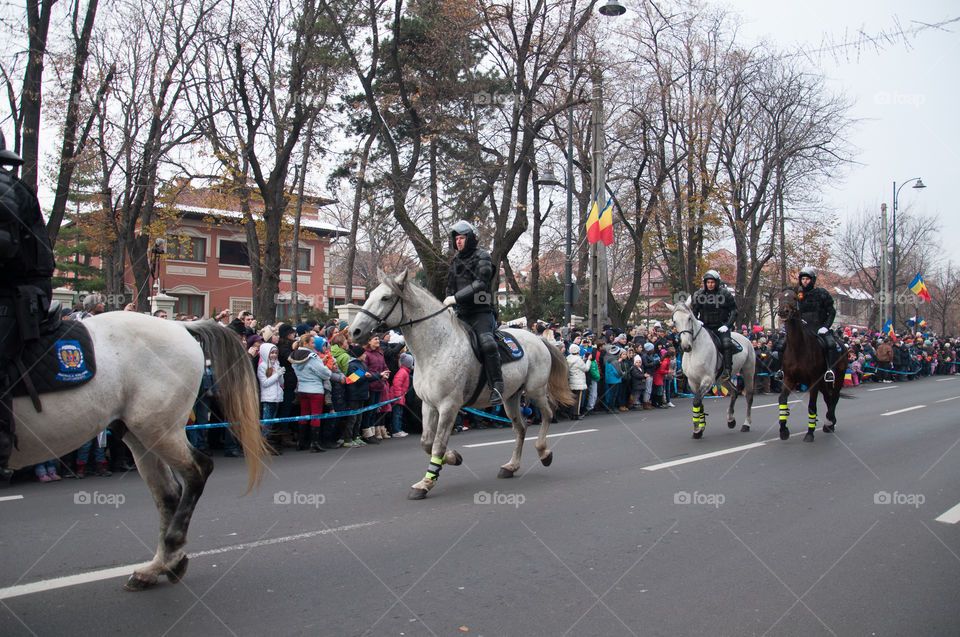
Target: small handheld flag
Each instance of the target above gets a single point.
(888, 327)
(919, 288)
(354, 377)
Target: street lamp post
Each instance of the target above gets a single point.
(894, 256)
(612, 8)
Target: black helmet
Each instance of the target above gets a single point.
(8, 157)
(464, 228)
(808, 270)
(711, 274)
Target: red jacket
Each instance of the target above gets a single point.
(662, 371)
(401, 383)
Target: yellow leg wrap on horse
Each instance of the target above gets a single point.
(434, 471)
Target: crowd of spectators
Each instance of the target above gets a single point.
(312, 369)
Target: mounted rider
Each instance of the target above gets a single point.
(469, 289)
(26, 265)
(817, 311)
(716, 307)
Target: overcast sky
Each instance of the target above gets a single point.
(906, 96)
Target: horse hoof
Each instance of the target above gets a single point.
(547, 460)
(808, 437)
(175, 574)
(829, 428)
(745, 428)
(505, 473)
(732, 423)
(784, 433)
(417, 494)
(697, 435)
(457, 458)
(138, 582)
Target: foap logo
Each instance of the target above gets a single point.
(910, 499)
(886, 98)
(489, 99)
(715, 500)
(109, 499)
(482, 297)
(308, 499)
(512, 499)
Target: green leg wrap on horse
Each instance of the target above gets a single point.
(433, 472)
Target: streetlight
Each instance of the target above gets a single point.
(893, 257)
(612, 8)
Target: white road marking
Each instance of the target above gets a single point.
(123, 571)
(900, 411)
(10, 497)
(713, 454)
(883, 388)
(950, 516)
(946, 380)
(775, 404)
(529, 438)
(946, 400)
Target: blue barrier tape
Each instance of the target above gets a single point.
(332, 414)
(484, 414)
(884, 369)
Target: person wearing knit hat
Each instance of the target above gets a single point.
(270, 335)
(399, 387)
(302, 329)
(285, 331)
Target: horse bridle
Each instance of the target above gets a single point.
(692, 334)
(382, 326)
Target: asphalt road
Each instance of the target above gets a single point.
(837, 537)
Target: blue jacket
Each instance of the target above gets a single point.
(310, 370)
(360, 389)
(611, 375)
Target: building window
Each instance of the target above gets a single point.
(183, 248)
(189, 304)
(303, 260)
(285, 310)
(234, 253)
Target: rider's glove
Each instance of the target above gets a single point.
(449, 301)
(822, 331)
(723, 329)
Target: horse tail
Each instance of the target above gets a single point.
(558, 386)
(237, 391)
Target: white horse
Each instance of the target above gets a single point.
(448, 373)
(701, 364)
(148, 373)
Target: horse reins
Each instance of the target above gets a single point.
(381, 322)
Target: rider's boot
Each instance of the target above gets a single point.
(491, 364)
(727, 365)
(829, 376)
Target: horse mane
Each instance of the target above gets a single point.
(409, 289)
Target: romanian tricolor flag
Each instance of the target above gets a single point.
(593, 222)
(888, 328)
(606, 223)
(919, 288)
(354, 377)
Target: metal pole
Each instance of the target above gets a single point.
(893, 264)
(884, 282)
(568, 266)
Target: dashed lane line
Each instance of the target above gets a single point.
(712, 454)
(121, 571)
(7, 498)
(946, 400)
(512, 440)
(900, 411)
(950, 516)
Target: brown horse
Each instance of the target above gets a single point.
(803, 364)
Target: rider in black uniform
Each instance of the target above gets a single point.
(817, 310)
(716, 307)
(469, 289)
(26, 265)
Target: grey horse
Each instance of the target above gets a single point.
(701, 363)
(448, 374)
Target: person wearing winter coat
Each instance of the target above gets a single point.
(377, 365)
(399, 388)
(358, 394)
(651, 363)
(270, 375)
(612, 376)
(577, 368)
(659, 381)
(311, 372)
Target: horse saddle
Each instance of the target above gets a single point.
(716, 342)
(510, 349)
(62, 358)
